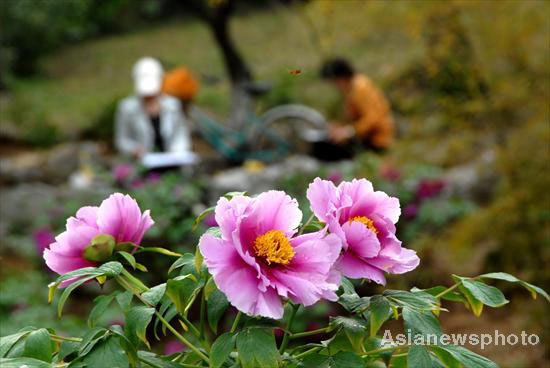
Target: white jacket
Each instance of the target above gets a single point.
(133, 127)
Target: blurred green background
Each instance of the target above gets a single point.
(469, 84)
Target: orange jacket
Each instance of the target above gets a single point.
(370, 112)
(181, 84)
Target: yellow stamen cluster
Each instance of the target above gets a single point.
(365, 221)
(274, 247)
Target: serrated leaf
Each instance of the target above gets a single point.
(90, 338)
(154, 294)
(38, 345)
(221, 348)
(379, 311)
(137, 320)
(488, 295)
(257, 345)
(111, 269)
(216, 305)
(354, 329)
(418, 300)
(347, 286)
(101, 303)
(124, 299)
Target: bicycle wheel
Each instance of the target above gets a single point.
(298, 126)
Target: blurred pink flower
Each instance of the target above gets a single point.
(154, 177)
(210, 220)
(365, 222)
(335, 177)
(118, 216)
(122, 171)
(173, 346)
(42, 239)
(137, 183)
(390, 173)
(410, 211)
(259, 260)
(428, 188)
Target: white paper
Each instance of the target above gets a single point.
(163, 159)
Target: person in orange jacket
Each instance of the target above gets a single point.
(368, 114)
(181, 84)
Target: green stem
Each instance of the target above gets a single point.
(134, 281)
(236, 322)
(202, 315)
(448, 290)
(307, 352)
(310, 333)
(191, 326)
(128, 286)
(286, 336)
(307, 223)
(63, 338)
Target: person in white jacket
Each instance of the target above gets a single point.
(150, 121)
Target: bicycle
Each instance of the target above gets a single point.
(267, 137)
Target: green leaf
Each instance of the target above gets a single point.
(510, 278)
(475, 304)
(418, 356)
(137, 320)
(230, 195)
(90, 339)
(7, 342)
(21, 362)
(216, 305)
(159, 250)
(100, 249)
(124, 299)
(379, 312)
(354, 329)
(181, 290)
(69, 289)
(198, 260)
(421, 322)
(107, 353)
(445, 357)
(416, 300)
(202, 215)
(185, 259)
(354, 303)
(452, 296)
(101, 303)
(347, 286)
(257, 345)
(78, 273)
(38, 345)
(111, 269)
(154, 294)
(488, 295)
(467, 358)
(153, 360)
(343, 359)
(221, 349)
(129, 258)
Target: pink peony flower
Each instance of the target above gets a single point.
(173, 346)
(210, 220)
(259, 259)
(118, 216)
(428, 188)
(365, 222)
(42, 239)
(410, 211)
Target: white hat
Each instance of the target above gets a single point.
(147, 75)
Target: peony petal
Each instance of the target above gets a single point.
(61, 263)
(356, 268)
(119, 216)
(88, 215)
(276, 210)
(361, 240)
(322, 196)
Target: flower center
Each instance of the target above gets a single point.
(365, 221)
(274, 246)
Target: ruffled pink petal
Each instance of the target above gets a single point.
(229, 211)
(356, 268)
(355, 199)
(322, 196)
(269, 305)
(61, 263)
(361, 240)
(405, 261)
(119, 216)
(276, 210)
(387, 206)
(88, 215)
(235, 278)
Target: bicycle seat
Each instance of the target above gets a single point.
(258, 88)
